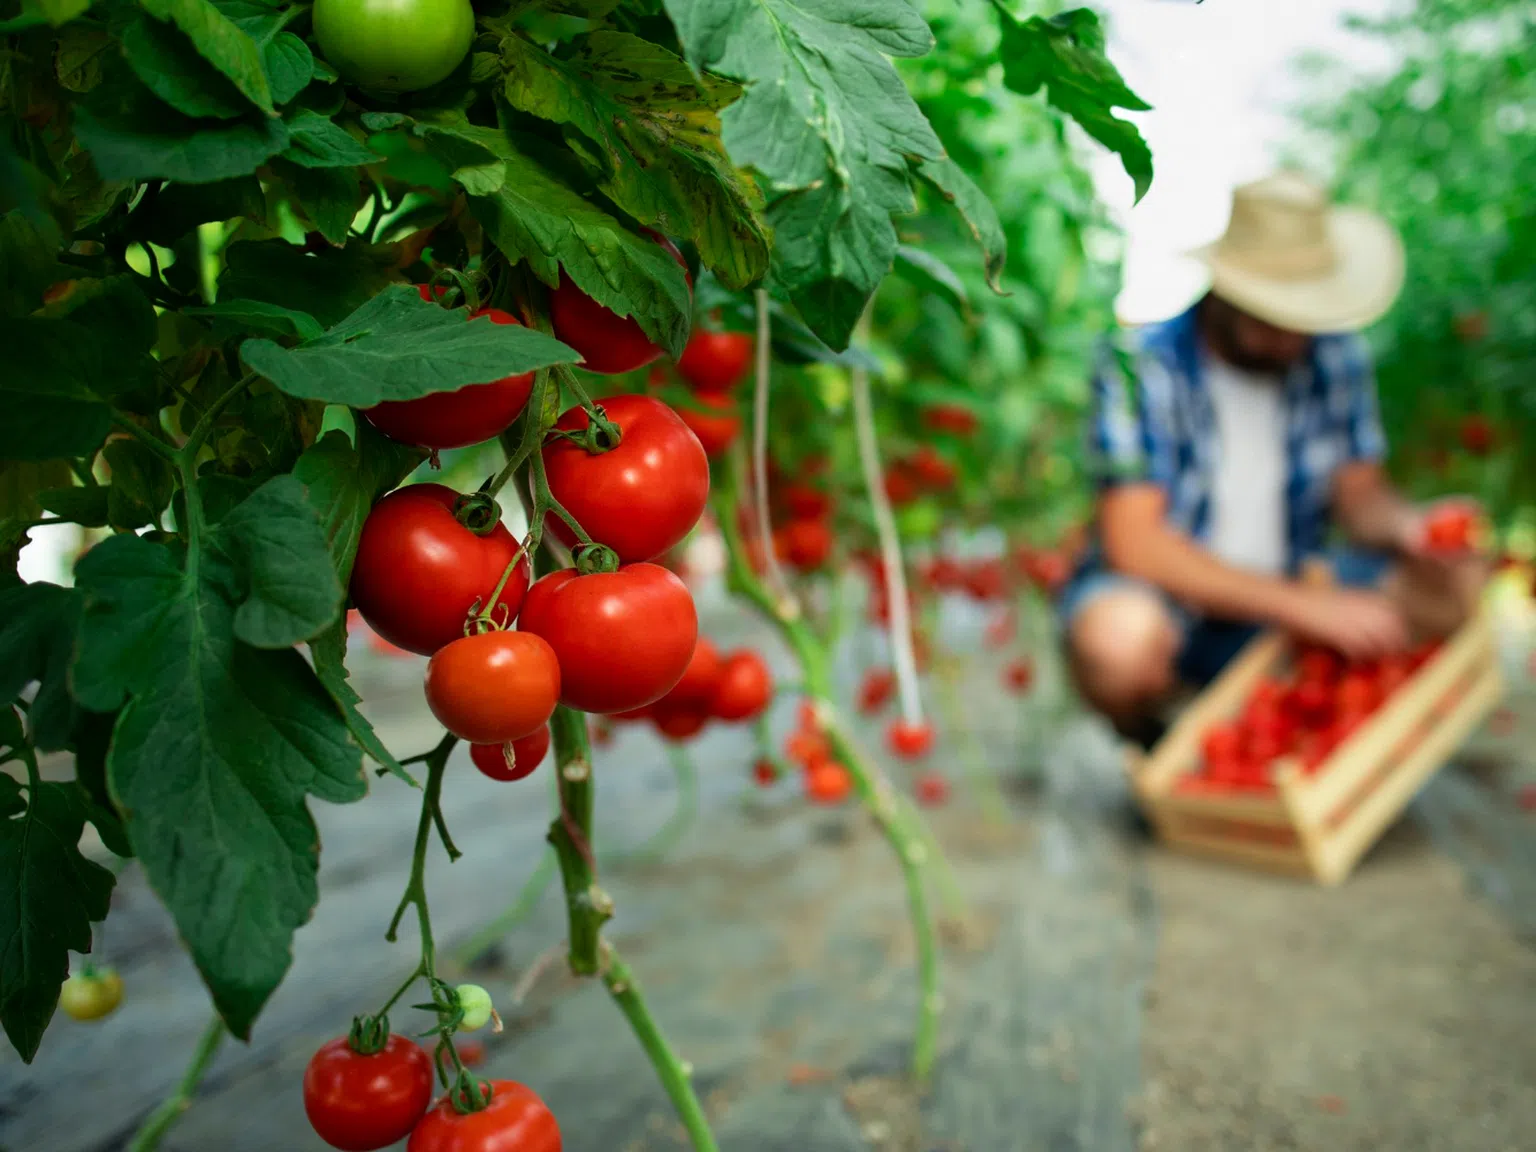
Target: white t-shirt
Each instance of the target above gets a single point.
(1247, 525)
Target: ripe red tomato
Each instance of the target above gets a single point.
(900, 486)
(745, 687)
(678, 721)
(639, 498)
(1317, 664)
(360, 1103)
(715, 361)
(932, 469)
(527, 754)
(876, 690)
(1449, 529)
(1478, 435)
(804, 502)
(623, 638)
(696, 690)
(910, 741)
(419, 571)
(955, 418)
(515, 1120)
(714, 420)
(469, 415)
(609, 343)
(986, 580)
(827, 782)
(1047, 569)
(1356, 694)
(764, 772)
(804, 544)
(1002, 629)
(494, 687)
(807, 748)
(1018, 676)
(1312, 701)
(931, 789)
(1221, 745)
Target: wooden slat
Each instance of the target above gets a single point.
(1256, 808)
(1287, 861)
(1344, 847)
(1357, 758)
(1175, 753)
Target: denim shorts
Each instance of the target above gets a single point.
(1207, 644)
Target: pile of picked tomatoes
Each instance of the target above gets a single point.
(1303, 716)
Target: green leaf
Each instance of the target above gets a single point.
(119, 317)
(1065, 55)
(329, 650)
(318, 142)
(831, 128)
(344, 482)
(46, 391)
(37, 636)
(399, 347)
(976, 210)
(328, 196)
(932, 275)
(177, 209)
(49, 895)
(651, 128)
(81, 52)
(534, 214)
(92, 737)
(23, 484)
(219, 742)
(168, 65)
(220, 42)
(142, 482)
(36, 12)
(257, 316)
(289, 63)
(327, 285)
(29, 247)
(140, 141)
(86, 506)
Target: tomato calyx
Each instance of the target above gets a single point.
(470, 1095)
(477, 511)
(369, 1034)
(596, 560)
(600, 435)
(450, 287)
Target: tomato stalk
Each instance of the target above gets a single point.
(158, 1122)
(602, 434)
(902, 827)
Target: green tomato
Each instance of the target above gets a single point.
(92, 994)
(919, 520)
(475, 1002)
(394, 45)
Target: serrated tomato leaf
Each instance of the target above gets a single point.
(1065, 55)
(221, 42)
(316, 141)
(979, 214)
(257, 316)
(141, 139)
(327, 284)
(168, 65)
(399, 347)
(330, 652)
(37, 637)
(343, 483)
(47, 391)
(219, 743)
(830, 126)
(49, 895)
(650, 127)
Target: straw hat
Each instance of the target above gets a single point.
(1291, 258)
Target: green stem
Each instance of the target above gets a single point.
(588, 907)
(607, 427)
(155, 1126)
(682, 818)
(416, 886)
(204, 424)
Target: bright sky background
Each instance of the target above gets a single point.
(1219, 77)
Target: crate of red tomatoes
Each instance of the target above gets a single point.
(1296, 761)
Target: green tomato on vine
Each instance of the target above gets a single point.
(475, 1004)
(91, 994)
(394, 45)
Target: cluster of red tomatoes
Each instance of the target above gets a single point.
(924, 470)
(1304, 716)
(827, 780)
(734, 686)
(711, 366)
(361, 1100)
(800, 518)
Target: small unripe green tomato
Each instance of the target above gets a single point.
(475, 1003)
(91, 995)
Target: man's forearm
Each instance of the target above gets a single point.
(1370, 510)
(1191, 575)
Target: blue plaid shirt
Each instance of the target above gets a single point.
(1164, 430)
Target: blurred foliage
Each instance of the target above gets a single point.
(1445, 146)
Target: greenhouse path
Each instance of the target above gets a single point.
(1101, 996)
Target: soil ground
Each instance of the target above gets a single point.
(1102, 995)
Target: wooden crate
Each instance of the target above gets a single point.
(1320, 825)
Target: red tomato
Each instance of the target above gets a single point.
(876, 690)
(678, 721)
(714, 420)
(931, 789)
(639, 498)
(1002, 630)
(623, 639)
(764, 772)
(805, 502)
(468, 415)
(804, 544)
(1221, 744)
(986, 580)
(1356, 693)
(602, 733)
(515, 1120)
(900, 486)
(419, 571)
(910, 741)
(715, 361)
(1048, 570)
(954, 418)
(1449, 529)
(1392, 675)
(528, 753)
(805, 716)
(1478, 435)
(609, 343)
(360, 1103)
(696, 690)
(1321, 665)
(828, 782)
(1018, 676)
(494, 687)
(807, 748)
(932, 469)
(745, 687)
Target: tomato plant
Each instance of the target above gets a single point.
(360, 1097)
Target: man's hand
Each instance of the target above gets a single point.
(1363, 625)
(1441, 532)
